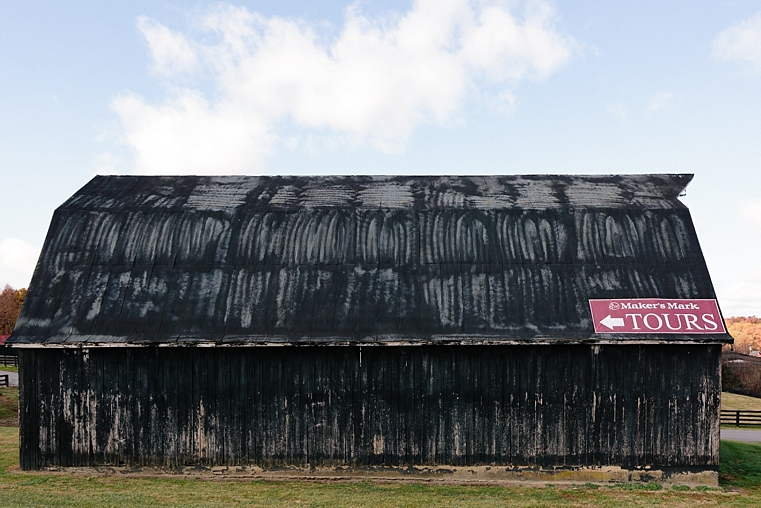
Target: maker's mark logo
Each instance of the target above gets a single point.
(687, 316)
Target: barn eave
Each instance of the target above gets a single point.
(83, 341)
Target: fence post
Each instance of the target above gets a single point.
(737, 420)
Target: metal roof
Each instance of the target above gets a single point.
(358, 259)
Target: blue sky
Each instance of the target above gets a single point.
(396, 87)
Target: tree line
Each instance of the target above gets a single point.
(746, 332)
(11, 301)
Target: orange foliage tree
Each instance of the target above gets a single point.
(746, 332)
(10, 306)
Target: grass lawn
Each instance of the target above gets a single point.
(736, 402)
(8, 402)
(740, 473)
(8, 368)
(741, 464)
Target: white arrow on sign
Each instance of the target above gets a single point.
(612, 322)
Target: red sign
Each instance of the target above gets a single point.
(656, 315)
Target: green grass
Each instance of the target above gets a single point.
(8, 368)
(740, 473)
(736, 402)
(8, 402)
(740, 464)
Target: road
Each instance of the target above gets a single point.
(746, 435)
(12, 377)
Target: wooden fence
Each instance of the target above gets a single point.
(4, 380)
(9, 360)
(741, 418)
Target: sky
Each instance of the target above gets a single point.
(386, 87)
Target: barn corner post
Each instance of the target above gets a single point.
(545, 327)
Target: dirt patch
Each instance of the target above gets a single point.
(8, 422)
(451, 475)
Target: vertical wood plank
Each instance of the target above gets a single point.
(516, 405)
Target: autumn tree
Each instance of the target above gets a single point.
(10, 306)
(746, 332)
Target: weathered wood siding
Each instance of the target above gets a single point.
(549, 406)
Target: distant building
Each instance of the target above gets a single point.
(373, 324)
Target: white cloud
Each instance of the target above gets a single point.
(171, 52)
(373, 83)
(658, 101)
(17, 262)
(740, 42)
(190, 136)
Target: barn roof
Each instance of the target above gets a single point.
(360, 259)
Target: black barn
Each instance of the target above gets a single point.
(368, 324)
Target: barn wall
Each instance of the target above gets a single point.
(630, 406)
